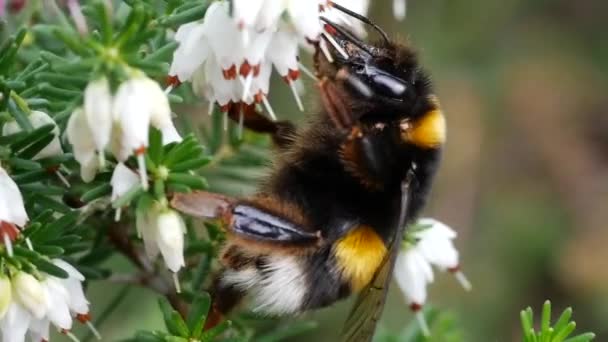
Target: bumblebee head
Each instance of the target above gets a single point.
(384, 85)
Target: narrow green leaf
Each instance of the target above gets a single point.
(186, 16)
(545, 320)
(28, 137)
(219, 329)
(30, 176)
(174, 322)
(563, 320)
(192, 164)
(155, 148)
(581, 338)
(97, 192)
(565, 332)
(128, 196)
(198, 313)
(25, 164)
(194, 182)
(163, 53)
(19, 116)
(33, 149)
(49, 251)
(526, 323)
(50, 268)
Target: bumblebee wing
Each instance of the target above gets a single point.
(202, 204)
(361, 322)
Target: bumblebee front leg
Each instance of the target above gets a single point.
(281, 132)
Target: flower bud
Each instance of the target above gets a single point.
(30, 294)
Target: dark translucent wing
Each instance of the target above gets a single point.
(361, 322)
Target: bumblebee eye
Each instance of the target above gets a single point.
(387, 85)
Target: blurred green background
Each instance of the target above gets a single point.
(524, 179)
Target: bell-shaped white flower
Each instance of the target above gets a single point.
(245, 12)
(30, 293)
(343, 19)
(57, 309)
(15, 323)
(399, 9)
(98, 112)
(304, 15)
(432, 246)
(76, 301)
(163, 230)
(5, 295)
(12, 210)
(192, 51)
(123, 179)
(38, 119)
(171, 229)
(139, 103)
(413, 273)
(80, 136)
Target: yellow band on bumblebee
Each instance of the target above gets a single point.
(429, 131)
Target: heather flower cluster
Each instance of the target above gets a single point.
(30, 303)
(229, 56)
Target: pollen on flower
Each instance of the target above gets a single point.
(256, 70)
(173, 80)
(230, 73)
(9, 230)
(415, 307)
(245, 69)
(226, 107)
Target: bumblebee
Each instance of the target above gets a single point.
(327, 221)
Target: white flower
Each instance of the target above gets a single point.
(163, 230)
(123, 180)
(80, 136)
(12, 210)
(139, 103)
(399, 9)
(30, 293)
(98, 111)
(343, 19)
(433, 246)
(15, 323)
(227, 58)
(38, 119)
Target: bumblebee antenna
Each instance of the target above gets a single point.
(362, 18)
(351, 38)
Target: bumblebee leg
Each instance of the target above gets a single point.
(335, 106)
(224, 297)
(369, 156)
(282, 132)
